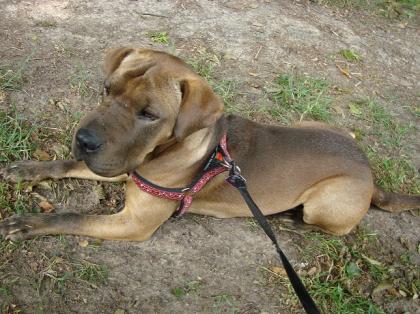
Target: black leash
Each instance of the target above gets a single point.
(236, 180)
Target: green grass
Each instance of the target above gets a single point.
(12, 79)
(344, 270)
(388, 154)
(394, 173)
(189, 288)
(80, 81)
(15, 144)
(224, 303)
(15, 137)
(61, 273)
(91, 273)
(349, 267)
(350, 55)
(159, 37)
(205, 65)
(303, 96)
(48, 23)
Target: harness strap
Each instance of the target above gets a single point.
(214, 166)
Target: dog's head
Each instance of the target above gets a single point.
(150, 98)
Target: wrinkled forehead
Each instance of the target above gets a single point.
(138, 59)
(147, 68)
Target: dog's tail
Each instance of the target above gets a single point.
(393, 202)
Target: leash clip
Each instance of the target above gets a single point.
(235, 171)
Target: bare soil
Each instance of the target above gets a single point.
(216, 263)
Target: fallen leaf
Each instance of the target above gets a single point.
(312, 271)
(46, 184)
(46, 206)
(403, 293)
(38, 196)
(371, 260)
(393, 292)
(60, 150)
(41, 155)
(383, 286)
(278, 270)
(343, 71)
(2, 95)
(34, 136)
(119, 311)
(84, 243)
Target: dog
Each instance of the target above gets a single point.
(163, 121)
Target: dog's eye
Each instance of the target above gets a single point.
(146, 114)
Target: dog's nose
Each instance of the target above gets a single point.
(88, 141)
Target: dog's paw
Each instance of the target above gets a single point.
(17, 227)
(27, 170)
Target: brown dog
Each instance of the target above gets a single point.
(161, 119)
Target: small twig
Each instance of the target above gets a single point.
(343, 71)
(258, 53)
(334, 33)
(290, 230)
(329, 271)
(155, 15)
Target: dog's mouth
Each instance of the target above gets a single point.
(95, 163)
(112, 169)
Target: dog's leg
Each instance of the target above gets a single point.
(338, 204)
(30, 170)
(121, 226)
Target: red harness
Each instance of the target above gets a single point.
(217, 163)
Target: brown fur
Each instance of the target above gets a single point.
(162, 119)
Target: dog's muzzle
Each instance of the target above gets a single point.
(87, 141)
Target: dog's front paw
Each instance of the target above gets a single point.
(27, 170)
(18, 227)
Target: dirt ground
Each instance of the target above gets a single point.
(194, 264)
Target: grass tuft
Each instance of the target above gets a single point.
(12, 80)
(159, 37)
(189, 288)
(92, 273)
(205, 65)
(48, 23)
(80, 81)
(350, 55)
(15, 143)
(394, 171)
(394, 174)
(15, 137)
(305, 96)
(339, 273)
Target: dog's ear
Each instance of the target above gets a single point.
(200, 108)
(114, 57)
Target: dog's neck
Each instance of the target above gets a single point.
(175, 164)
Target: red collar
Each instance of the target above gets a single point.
(217, 163)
